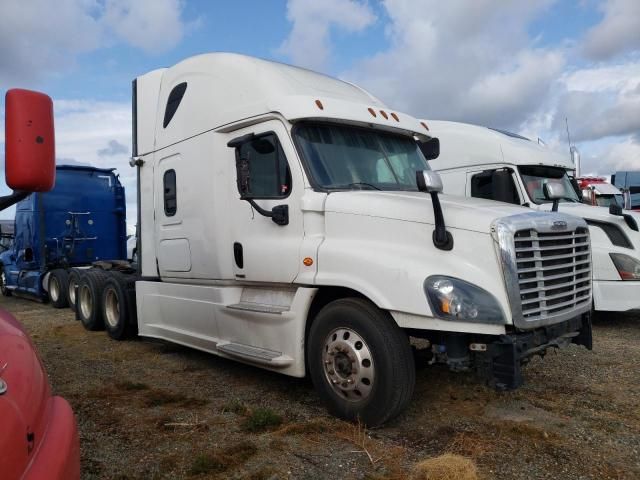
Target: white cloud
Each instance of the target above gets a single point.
(308, 44)
(458, 60)
(39, 37)
(151, 25)
(618, 32)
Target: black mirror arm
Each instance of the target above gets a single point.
(8, 200)
(556, 203)
(442, 239)
(278, 214)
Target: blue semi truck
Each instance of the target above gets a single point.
(80, 222)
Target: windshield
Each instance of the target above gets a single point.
(345, 157)
(535, 176)
(607, 200)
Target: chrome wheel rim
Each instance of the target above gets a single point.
(72, 292)
(111, 307)
(348, 364)
(86, 301)
(54, 289)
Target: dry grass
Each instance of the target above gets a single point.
(317, 425)
(388, 460)
(156, 398)
(223, 460)
(445, 467)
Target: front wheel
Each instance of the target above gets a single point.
(360, 362)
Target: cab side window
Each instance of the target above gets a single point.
(266, 171)
(170, 194)
(497, 185)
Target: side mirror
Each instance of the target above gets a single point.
(244, 176)
(29, 141)
(430, 182)
(430, 148)
(615, 209)
(555, 192)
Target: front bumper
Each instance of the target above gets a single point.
(501, 363)
(616, 295)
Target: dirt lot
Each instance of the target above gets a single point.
(149, 410)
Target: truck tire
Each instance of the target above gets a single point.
(119, 308)
(3, 283)
(360, 362)
(89, 299)
(57, 286)
(73, 279)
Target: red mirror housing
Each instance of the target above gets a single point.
(29, 141)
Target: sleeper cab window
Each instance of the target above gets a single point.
(170, 194)
(173, 102)
(268, 171)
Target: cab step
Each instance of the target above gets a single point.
(255, 354)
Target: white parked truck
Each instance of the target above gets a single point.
(289, 220)
(480, 162)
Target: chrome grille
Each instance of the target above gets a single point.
(553, 270)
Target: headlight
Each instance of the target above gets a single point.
(454, 299)
(628, 267)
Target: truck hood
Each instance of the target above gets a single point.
(459, 212)
(589, 212)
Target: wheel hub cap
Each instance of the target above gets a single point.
(348, 364)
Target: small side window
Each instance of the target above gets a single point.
(170, 194)
(263, 168)
(495, 185)
(173, 102)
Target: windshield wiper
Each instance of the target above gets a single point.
(358, 184)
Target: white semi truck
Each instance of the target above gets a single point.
(480, 162)
(289, 220)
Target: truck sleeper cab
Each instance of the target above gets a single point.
(480, 162)
(81, 221)
(281, 224)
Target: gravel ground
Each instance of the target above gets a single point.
(149, 410)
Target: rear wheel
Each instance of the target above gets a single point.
(360, 361)
(3, 283)
(57, 286)
(73, 279)
(118, 307)
(89, 299)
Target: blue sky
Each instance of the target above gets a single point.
(524, 66)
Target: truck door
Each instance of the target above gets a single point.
(272, 184)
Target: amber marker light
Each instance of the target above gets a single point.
(395, 117)
(372, 112)
(308, 261)
(424, 125)
(319, 104)
(384, 114)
